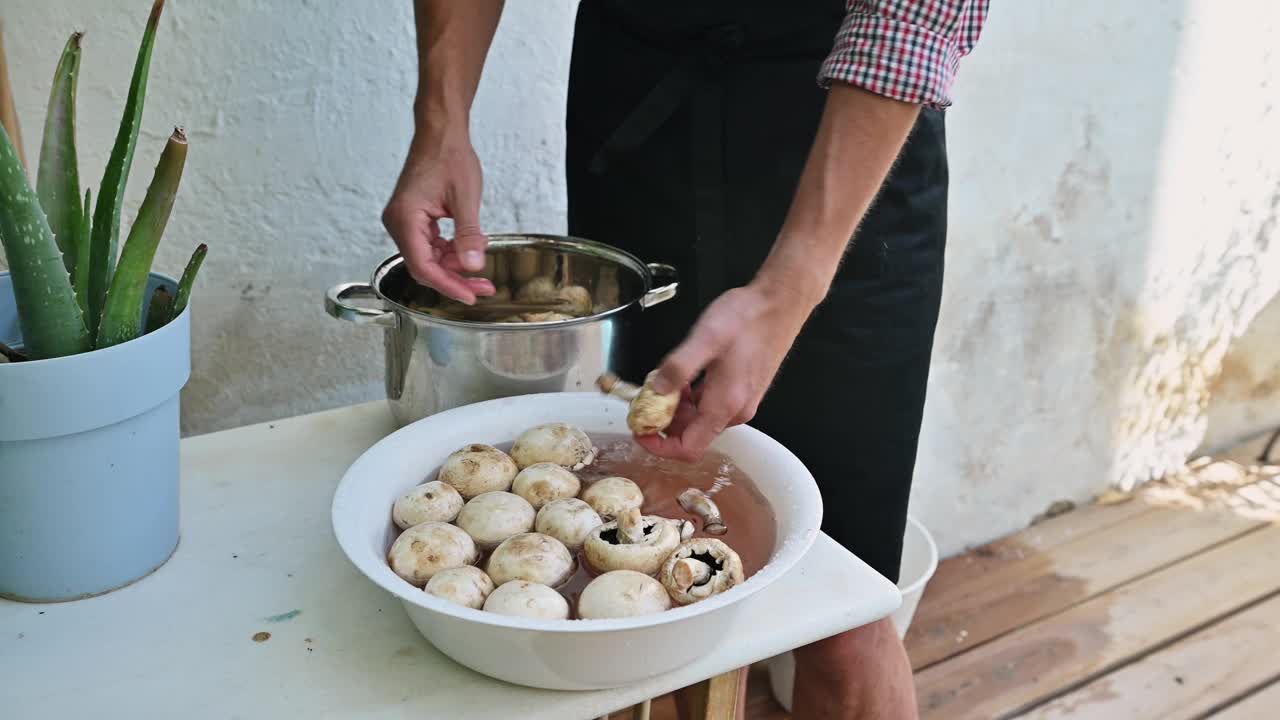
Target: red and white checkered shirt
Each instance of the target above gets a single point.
(908, 50)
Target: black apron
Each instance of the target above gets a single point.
(688, 125)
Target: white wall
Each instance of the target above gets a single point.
(1116, 181)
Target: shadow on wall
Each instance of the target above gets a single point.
(1245, 395)
(1110, 223)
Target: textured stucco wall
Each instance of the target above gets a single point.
(1116, 183)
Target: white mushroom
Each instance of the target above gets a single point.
(541, 289)
(577, 299)
(526, 599)
(650, 412)
(640, 544)
(559, 443)
(426, 549)
(622, 593)
(699, 503)
(478, 468)
(531, 556)
(468, 586)
(700, 568)
(573, 299)
(541, 483)
(490, 518)
(569, 520)
(612, 495)
(429, 502)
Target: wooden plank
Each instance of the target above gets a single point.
(1262, 705)
(958, 614)
(1188, 678)
(1038, 661)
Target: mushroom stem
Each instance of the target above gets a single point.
(688, 572)
(630, 527)
(697, 502)
(611, 384)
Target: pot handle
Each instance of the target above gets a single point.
(335, 304)
(661, 272)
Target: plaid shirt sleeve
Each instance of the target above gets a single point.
(908, 50)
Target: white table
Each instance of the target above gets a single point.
(257, 555)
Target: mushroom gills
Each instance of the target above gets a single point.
(700, 568)
(699, 503)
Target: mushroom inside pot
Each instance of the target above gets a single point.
(492, 517)
(468, 586)
(527, 599)
(434, 501)
(613, 495)
(700, 568)
(569, 520)
(531, 556)
(559, 443)
(632, 542)
(622, 593)
(478, 468)
(424, 550)
(541, 483)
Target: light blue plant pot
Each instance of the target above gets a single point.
(89, 461)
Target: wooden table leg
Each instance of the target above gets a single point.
(717, 698)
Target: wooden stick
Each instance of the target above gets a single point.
(8, 109)
(641, 711)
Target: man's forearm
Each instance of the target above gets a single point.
(453, 40)
(858, 139)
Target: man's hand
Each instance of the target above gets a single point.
(441, 179)
(740, 341)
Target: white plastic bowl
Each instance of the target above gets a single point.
(558, 654)
(919, 562)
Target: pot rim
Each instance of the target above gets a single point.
(569, 243)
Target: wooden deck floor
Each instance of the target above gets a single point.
(1163, 604)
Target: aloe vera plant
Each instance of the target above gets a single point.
(73, 294)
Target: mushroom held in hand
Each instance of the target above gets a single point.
(468, 586)
(700, 568)
(478, 468)
(492, 517)
(632, 542)
(424, 550)
(541, 483)
(650, 412)
(569, 520)
(699, 503)
(612, 495)
(527, 599)
(531, 556)
(429, 502)
(559, 443)
(622, 593)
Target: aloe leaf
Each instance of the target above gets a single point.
(159, 309)
(80, 273)
(122, 307)
(106, 215)
(189, 279)
(48, 315)
(58, 175)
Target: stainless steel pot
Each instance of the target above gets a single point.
(436, 359)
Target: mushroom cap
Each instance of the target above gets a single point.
(578, 297)
(559, 443)
(605, 553)
(569, 520)
(723, 561)
(478, 468)
(622, 593)
(543, 482)
(526, 599)
(468, 586)
(489, 518)
(533, 557)
(612, 495)
(434, 501)
(424, 550)
(651, 412)
(539, 289)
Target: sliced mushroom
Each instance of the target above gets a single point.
(531, 556)
(622, 593)
(612, 495)
(569, 520)
(478, 468)
(608, 548)
(525, 599)
(700, 568)
(559, 443)
(650, 412)
(541, 483)
(429, 502)
(699, 503)
(424, 550)
(490, 518)
(468, 586)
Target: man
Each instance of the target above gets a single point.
(744, 141)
